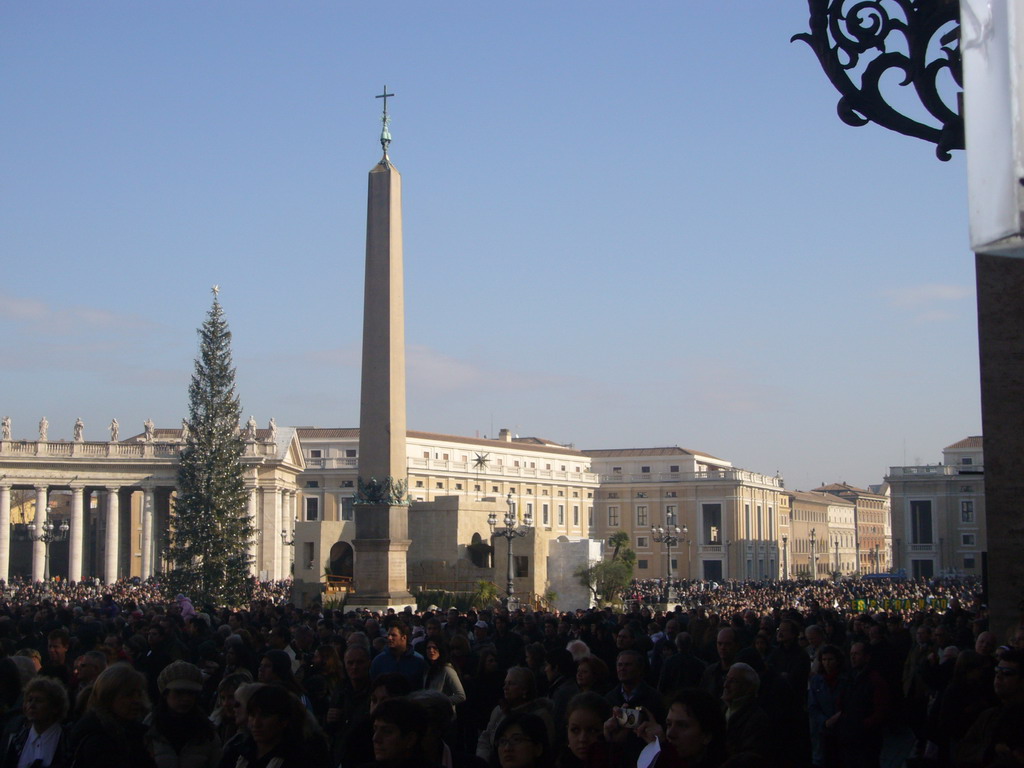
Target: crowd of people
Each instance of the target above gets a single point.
(783, 675)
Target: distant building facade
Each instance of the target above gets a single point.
(872, 522)
(728, 517)
(938, 512)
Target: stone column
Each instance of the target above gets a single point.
(146, 566)
(252, 510)
(38, 547)
(5, 532)
(1000, 281)
(77, 533)
(110, 550)
(271, 531)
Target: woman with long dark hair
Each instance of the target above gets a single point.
(441, 675)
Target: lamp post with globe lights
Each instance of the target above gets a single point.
(47, 533)
(510, 530)
(669, 535)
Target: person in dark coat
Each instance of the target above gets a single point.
(111, 734)
(748, 727)
(864, 709)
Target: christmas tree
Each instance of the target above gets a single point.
(208, 548)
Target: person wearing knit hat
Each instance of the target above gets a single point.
(179, 733)
(180, 676)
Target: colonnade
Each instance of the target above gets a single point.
(104, 545)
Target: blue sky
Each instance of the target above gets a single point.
(626, 224)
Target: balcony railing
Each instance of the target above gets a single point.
(715, 475)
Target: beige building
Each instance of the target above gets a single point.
(728, 517)
(455, 485)
(938, 512)
(872, 518)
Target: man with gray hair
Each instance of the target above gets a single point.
(748, 727)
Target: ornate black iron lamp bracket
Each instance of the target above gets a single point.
(859, 42)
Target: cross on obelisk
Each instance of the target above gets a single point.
(385, 134)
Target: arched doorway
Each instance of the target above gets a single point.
(341, 563)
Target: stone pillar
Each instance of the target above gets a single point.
(77, 533)
(146, 566)
(271, 530)
(252, 510)
(110, 550)
(1000, 281)
(38, 547)
(5, 532)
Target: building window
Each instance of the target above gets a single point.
(545, 514)
(616, 470)
(312, 507)
(641, 516)
(561, 493)
(575, 515)
(966, 489)
(476, 487)
(439, 484)
(967, 539)
(641, 494)
(670, 494)
(711, 523)
(645, 470)
(347, 484)
(316, 453)
(561, 514)
(575, 494)
(613, 517)
(641, 564)
(458, 486)
(426, 454)
(969, 563)
(494, 489)
(746, 517)
(673, 468)
(966, 511)
(529, 491)
(350, 453)
(642, 542)
(590, 517)
(529, 509)
(921, 522)
(613, 494)
(312, 483)
(521, 566)
(966, 461)
(346, 509)
(419, 483)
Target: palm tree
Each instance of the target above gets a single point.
(618, 540)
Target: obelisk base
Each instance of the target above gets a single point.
(381, 573)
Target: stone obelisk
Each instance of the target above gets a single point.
(381, 506)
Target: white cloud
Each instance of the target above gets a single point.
(926, 295)
(38, 316)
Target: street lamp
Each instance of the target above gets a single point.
(838, 566)
(47, 533)
(814, 560)
(785, 557)
(510, 530)
(670, 537)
